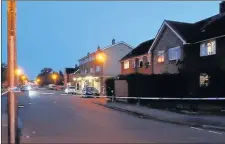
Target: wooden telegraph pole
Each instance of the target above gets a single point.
(12, 65)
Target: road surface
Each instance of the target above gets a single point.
(51, 117)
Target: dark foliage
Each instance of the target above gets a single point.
(173, 85)
(109, 86)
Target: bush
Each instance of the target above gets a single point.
(109, 86)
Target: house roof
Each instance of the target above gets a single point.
(110, 46)
(201, 30)
(139, 50)
(71, 70)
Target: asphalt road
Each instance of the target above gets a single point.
(50, 117)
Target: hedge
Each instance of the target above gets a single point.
(172, 85)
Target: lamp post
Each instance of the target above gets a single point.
(12, 64)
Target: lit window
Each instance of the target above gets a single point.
(208, 48)
(174, 53)
(160, 56)
(98, 68)
(204, 80)
(149, 60)
(126, 64)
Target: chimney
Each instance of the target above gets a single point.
(222, 7)
(113, 41)
(98, 48)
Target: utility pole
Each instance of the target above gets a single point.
(12, 65)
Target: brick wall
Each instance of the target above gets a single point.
(167, 40)
(131, 70)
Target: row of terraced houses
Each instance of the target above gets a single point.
(162, 54)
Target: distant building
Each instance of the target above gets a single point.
(94, 72)
(69, 75)
(138, 60)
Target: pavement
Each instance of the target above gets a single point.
(200, 121)
(53, 117)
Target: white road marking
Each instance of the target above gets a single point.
(47, 93)
(27, 136)
(215, 132)
(54, 102)
(196, 128)
(29, 103)
(33, 132)
(63, 94)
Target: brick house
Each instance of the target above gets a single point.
(69, 76)
(93, 72)
(205, 39)
(138, 60)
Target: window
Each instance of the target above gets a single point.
(140, 62)
(126, 64)
(98, 68)
(86, 71)
(133, 63)
(160, 56)
(204, 80)
(91, 70)
(208, 48)
(174, 53)
(149, 60)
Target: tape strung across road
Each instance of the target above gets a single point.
(47, 93)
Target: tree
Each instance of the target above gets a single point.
(61, 78)
(45, 76)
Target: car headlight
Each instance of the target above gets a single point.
(29, 88)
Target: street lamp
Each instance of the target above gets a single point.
(38, 80)
(18, 74)
(54, 77)
(101, 58)
(23, 78)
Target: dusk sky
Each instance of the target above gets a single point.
(57, 34)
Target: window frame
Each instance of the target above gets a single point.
(126, 64)
(204, 48)
(133, 63)
(139, 62)
(174, 51)
(161, 55)
(98, 68)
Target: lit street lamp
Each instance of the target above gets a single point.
(18, 74)
(101, 58)
(54, 77)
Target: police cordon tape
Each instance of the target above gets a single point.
(160, 98)
(14, 89)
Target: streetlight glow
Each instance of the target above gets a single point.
(54, 76)
(100, 57)
(18, 72)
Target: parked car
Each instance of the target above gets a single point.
(90, 92)
(25, 88)
(51, 86)
(70, 89)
